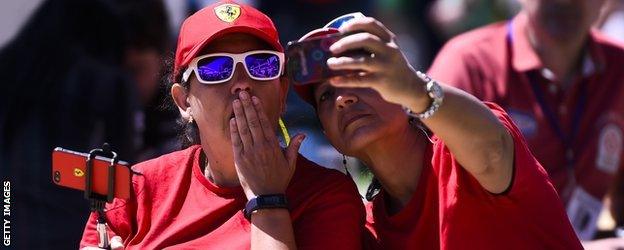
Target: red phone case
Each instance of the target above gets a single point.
(69, 170)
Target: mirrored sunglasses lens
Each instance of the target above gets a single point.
(215, 68)
(263, 65)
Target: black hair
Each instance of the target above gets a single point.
(189, 132)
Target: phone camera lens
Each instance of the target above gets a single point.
(57, 176)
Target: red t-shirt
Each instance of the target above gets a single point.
(174, 206)
(496, 63)
(451, 210)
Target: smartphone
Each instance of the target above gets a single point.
(307, 60)
(69, 170)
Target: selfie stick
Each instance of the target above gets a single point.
(97, 201)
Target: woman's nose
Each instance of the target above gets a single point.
(240, 80)
(345, 99)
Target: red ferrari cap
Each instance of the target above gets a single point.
(216, 20)
(306, 91)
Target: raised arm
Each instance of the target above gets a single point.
(479, 142)
(263, 169)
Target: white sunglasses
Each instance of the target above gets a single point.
(260, 65)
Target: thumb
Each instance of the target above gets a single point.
(116, 243)
(293, 149)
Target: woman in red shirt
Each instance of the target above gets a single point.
(454, 172)
(234, 187)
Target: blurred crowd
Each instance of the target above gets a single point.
(81, 73)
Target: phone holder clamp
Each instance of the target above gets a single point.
(98, 201)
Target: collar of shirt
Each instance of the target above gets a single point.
(524, 58)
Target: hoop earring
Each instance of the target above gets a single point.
(344, 164)
(373, 189)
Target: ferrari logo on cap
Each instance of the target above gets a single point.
(227, 12)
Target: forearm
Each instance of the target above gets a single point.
(272, 229)
(475, 136)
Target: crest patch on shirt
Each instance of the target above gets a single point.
(609, 148)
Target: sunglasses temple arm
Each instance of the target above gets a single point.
(187, 74)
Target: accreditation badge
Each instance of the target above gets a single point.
(583, 211)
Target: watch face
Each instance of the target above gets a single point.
(435, 90)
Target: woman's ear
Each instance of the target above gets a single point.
(180, 97)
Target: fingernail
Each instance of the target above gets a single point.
(332, 60)
(244, 95)
(236, 103)
(255, 100)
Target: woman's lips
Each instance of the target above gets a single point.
(349, 119)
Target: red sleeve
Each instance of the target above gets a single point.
(120, 218)
(527, 171)
(335, 219)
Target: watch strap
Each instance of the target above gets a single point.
(264, 202)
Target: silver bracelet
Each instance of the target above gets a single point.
(434, 91)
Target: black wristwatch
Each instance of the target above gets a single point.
(263, 202)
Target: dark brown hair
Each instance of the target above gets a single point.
(189, 132)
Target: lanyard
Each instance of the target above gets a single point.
(551, 116)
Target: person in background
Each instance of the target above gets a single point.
(452, 17)
(146, 29)
(561, 82)
(472, 185)
(233, 187)
(63, 85)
